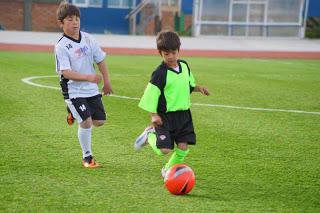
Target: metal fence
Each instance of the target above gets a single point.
(258, 18)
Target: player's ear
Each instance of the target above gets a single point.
(60, 23)
(160, 52)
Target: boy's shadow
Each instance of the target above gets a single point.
(203, 196)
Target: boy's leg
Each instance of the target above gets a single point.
(185, 136)
(84, 136)
(152, 140)
(98, 113)
(148, 136)
(98, 123)
(81, 111)
(142, 139)
(178, 155)
(98, 118)
(160, 141)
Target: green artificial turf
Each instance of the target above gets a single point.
(245, 160)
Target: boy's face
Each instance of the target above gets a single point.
(71, 25)
(170, 58)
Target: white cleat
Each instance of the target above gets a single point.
(141, 141)
(164, 173)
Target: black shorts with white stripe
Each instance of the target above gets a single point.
(83, 108)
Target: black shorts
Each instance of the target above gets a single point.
(83, 108)
(177, 128)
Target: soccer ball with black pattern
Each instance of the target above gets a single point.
(180, 179)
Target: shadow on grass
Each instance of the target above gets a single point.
(201, 196)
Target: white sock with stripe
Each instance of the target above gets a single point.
(84, 136)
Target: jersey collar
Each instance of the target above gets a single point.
(72, 39)
(171, 69)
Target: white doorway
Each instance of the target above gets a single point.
(248, 18)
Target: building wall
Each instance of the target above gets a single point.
(44, 17)
(96, 20)
(11, 14)
(93, 20)
(168, 19)
(104, 20)
(187, 6)
(314, 8)
(111, 20)
(188, 19)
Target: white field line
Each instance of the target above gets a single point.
(312, 66)
(257, 109)
(28, 80)
(273, 61)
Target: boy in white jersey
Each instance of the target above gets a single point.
(76, 52)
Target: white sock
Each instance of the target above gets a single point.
(84, 136)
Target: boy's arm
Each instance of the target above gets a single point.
(202, 89)
(72, 75)
(156, 119)
(106, 89)
(197, 88)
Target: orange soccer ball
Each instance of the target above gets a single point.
(180, 179)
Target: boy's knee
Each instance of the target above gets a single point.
(183, 146)
(98, 123)
(86, 123)
(165, 151)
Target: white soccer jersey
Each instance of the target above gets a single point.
(78, 56)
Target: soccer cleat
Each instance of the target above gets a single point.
(141, 141)
(163, 172)
(89, 162)
(70, 118)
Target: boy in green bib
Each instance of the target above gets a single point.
(167, 99)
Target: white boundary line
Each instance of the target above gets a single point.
(28, 80)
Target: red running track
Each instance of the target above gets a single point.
(199, 53)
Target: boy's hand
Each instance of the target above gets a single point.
(204, 91)
(156, 119)
(106, 89)
(94, 78)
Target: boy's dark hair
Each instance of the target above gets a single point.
(168, 41)
(65, 9)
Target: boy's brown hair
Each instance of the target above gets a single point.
(65, 9)
(168, 41)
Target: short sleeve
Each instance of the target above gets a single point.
(191, 80)
(98, 53)
(62, 59)
(158, 77)
(150, 98)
